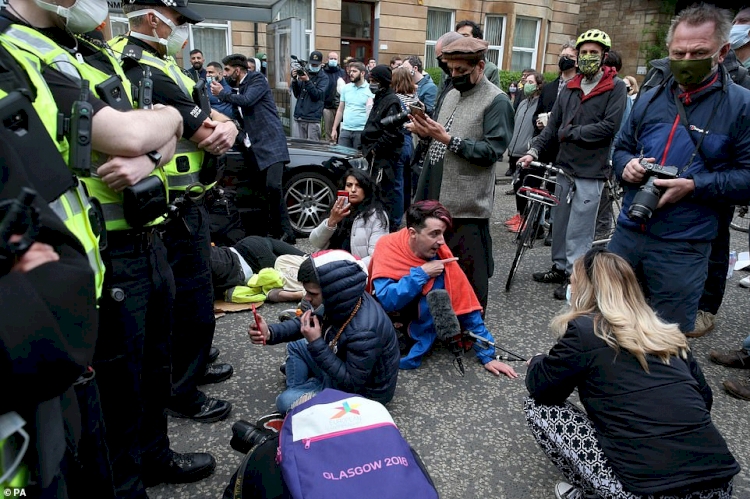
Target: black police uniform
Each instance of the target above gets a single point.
(188, 244)
(132, 356)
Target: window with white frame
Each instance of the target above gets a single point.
(118, 25)
(304, 10)
(439, 22)
(213, 38)
(494, 32)
(525, 44)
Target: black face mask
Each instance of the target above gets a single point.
(443, 65)
(463, 83)
(566, 63)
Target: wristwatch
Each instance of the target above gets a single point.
(155, 156)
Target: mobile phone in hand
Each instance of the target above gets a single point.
(416, 109)
(343, 195)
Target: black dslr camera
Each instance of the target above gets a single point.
(246, 435)
(298, 65)
(647, 197)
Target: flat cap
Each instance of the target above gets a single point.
(465, 46)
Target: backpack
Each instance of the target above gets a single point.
(342, 445)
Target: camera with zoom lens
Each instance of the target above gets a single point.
(298, 65)
(645, 200)
(246, 435)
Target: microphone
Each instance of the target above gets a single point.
(447, 326)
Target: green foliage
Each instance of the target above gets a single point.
(654, 44)
(506, 77)
(436, 74)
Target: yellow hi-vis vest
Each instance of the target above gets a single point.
(58, 58)
(179, 177)
(73, 207)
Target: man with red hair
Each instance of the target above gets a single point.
(408, 264)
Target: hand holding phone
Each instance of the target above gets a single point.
(343, 195)
(258, 320)
(416, 109)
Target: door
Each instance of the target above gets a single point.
(357, 21)
(284, 38)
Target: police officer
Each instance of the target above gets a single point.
(158, 31)
(127, 147)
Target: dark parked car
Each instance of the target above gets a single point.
(310, 183)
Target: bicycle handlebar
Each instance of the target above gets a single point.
(551, 168)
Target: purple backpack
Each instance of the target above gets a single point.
(342, 445)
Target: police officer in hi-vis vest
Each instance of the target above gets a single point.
(124, 174)
(158, 31)
(46, 335)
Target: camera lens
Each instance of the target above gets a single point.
(396, 119)
(245, 435)
(644, 202)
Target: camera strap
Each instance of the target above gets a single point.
(683, 119)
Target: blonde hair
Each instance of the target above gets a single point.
(607, 289)
(633, 83)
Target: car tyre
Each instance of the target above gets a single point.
(309, 197)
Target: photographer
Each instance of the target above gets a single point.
(382, 143)
(309, 86)
(696, 123)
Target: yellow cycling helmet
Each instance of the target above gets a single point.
(595, 35)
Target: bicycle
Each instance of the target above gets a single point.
(539, 199)
(741, 219)
(605, 228)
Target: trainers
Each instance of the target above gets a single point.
(513, 220)
(738, 387)
(745, 282)
(562, 291)
(704, 322)
(564, 490)
(739, 359)
(551, 276)
(516, 227)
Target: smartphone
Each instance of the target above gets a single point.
(415, 109)
(257, 320)
(344, 195)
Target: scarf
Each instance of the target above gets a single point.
(393, 259)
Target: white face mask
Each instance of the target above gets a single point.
(82, 17)
(176, 39)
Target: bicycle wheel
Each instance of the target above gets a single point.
(525, 238)
(741, 219)
(607, 218)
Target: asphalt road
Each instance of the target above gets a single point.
(470, 431)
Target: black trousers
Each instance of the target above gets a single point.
(718, 264)
(132, 358)
(278, 216)
(261, 252)
(188, 243)
(471, 242)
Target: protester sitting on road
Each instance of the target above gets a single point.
(523, 132)
(235, 265)
(348, 340)
(410, 263)
(647, 428)
(355, 224)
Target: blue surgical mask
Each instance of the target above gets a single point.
(313, 69)
(333, 63)
(739, 36)
(567, 294)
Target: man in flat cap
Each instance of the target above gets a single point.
(459, 169)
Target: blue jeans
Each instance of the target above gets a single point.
(672, 273)
(746, 343)
(302, 376)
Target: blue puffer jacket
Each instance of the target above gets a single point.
(721, 171)
(366, 357)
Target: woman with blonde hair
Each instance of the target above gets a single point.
(647, 430)
(631, 86)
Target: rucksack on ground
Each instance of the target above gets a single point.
(342, 445)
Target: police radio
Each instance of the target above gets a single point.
(146, 90)
(80, 133)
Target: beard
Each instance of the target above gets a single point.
(197, 66)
